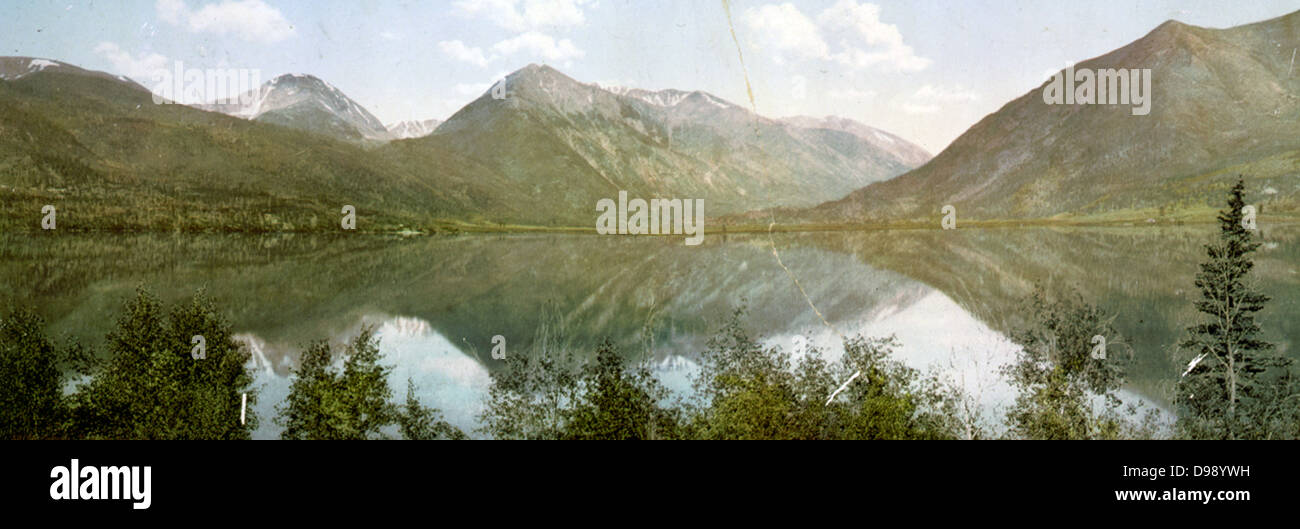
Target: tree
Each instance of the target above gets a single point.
(1233, 387)
(556, 396)
(32, 404)
(748, 392)
(1060, 381)
(422, 423)
(326, 403)
(531, 397)
(152, 387)
(888, 400)
(619, 403)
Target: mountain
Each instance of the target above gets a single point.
(15, 68)
(99, 149)
(906, 151)
(553, 146)
(308, 103)
(1224, 101)
(408, 129)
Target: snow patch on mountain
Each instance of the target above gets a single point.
(40, 64)
(307, 102)
(18, 67)
(408, 129)
(663, 98)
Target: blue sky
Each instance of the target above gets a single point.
(924, 69)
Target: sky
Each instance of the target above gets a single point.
(925, 70)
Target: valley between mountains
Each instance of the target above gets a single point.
(98, 147)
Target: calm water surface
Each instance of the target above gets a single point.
(950, 297)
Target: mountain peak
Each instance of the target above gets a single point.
(1170, 25)
(300, 79)
(536, 74)
(310, 103)
(1225, 98)
(297, 77)
(14, 68)
(1166, 34)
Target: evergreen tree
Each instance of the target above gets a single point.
(1233, 387)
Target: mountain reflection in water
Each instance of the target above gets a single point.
(950, 297)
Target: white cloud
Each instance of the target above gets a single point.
(250, 20)
(525, 15)
(785, 28)
(852, 22)
(142, 67)
(899, 59)
(847, 33)
(930, 99)
(457, 50)
(540, 45)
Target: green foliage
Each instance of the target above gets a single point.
(31, 403)
(151, 388)
(1238, 388)
(103, 150)
(552, 396)
(619, 403)
(742, 392)
(324, 403)
(354, 403)
(1065, 392)
(422, 423)
(530, 396)
(748, 392)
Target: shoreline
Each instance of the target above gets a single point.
(456, 229)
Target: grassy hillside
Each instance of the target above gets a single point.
(1223, 102)
(110, 159)
(98, 149)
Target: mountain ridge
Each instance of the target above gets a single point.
(578, 142)
(542, 157)
(1220, 103)
(411, 128)
(306, 102)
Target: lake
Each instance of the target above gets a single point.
(950, 297)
